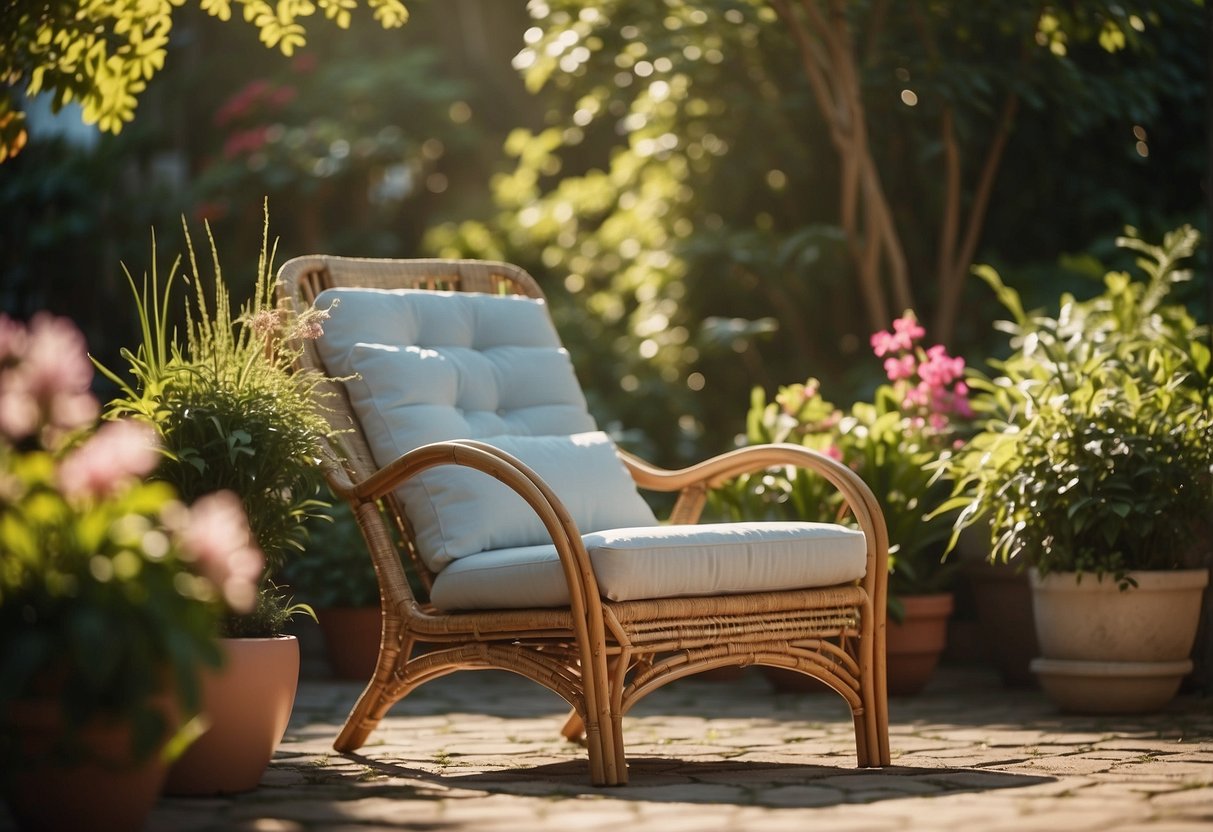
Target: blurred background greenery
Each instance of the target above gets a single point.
(675, 174)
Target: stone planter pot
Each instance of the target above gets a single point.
(247, 703)
(1110, 651)
(914, 644)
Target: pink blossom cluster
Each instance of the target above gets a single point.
(244, 142)
(929, 381)
(118, 454)
(45, 379)
(250, 96)
(217, 538)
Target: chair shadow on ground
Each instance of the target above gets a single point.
(724, 782)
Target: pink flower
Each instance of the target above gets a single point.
(304, 62)
(12, 338)
(960, 401)
(899, 368)
(940, 368)
(116, 454)
(906, 330)
(283, 96)
(312, 327)
(882, 343)
(264, 323)
(917, 396)
(217, 537)
(833, 452)
(242, 102)
(47, 377)
(245, 141)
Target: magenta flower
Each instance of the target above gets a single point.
(941, 369)
(906, 331)
(117, 454)
(900, 368)
(218, 539)
(882, 343)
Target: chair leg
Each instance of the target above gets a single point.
(621, 763)
(363, 719)
(574, 727)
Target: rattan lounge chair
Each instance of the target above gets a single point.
(550, 567)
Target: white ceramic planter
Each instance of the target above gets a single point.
(1094, 687)
(1111, 651)
(1092, 619)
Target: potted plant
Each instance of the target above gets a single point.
(1094, 467)
(919, 413)
(336, 578)
(111, 591)
(232, 415)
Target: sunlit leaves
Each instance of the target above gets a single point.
(13, 135)
(390, 14)
(338, 11)
(221, 9)
(102, 53)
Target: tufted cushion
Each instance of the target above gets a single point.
(457, 511)
(427, 366)
(661, 562)
(430, 366)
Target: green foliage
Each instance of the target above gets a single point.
(334, 570)
(102, 53)
(683, 174)
(892, 442)
(227, 405)
(109, 596)
(1096, 452)
(360, 178)
(268, 617)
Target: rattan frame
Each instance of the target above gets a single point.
(599, 656)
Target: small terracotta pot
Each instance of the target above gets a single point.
(351, 640)
(913, 645)
(248, 704)
(1004, 612)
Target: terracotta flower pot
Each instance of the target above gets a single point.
(248, 704)
(351, 640)
(107, 791)
(913, 645)
(1003, 601)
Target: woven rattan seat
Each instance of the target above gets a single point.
(601, 656)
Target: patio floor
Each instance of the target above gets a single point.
(480, 751)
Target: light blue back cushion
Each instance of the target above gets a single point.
(427, 366)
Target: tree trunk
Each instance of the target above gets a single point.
(825, 41)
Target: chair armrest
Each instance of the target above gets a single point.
(695, 480)
(583, 585)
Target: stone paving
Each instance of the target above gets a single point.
(481, 751)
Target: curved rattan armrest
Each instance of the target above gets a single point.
(697, 479)
(583, 586)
